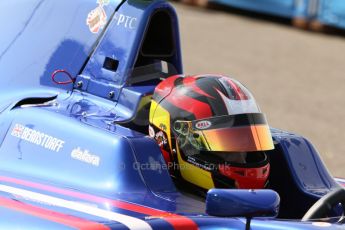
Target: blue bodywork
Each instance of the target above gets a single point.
(78, 156)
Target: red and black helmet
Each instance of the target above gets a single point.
(211, 131)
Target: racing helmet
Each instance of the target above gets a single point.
(211, 132)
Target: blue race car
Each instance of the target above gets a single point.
(77, 79)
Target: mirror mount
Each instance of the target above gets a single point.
(248, 221)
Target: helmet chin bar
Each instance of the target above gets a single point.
(247, 178)
(237, 173)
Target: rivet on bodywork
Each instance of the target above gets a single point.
(111, 94)
(79, 84)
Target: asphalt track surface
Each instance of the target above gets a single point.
(296, 76)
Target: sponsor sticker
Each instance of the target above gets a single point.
(161, 139)
(125, 21)
(36, 137)
(205, 124)
(85, 156)
(97, 18)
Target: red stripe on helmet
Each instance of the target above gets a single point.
(177, 221)
(240, 95)
(198, 108)
(165, 87)
(190, 82)
(57, 217)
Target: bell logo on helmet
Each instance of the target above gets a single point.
(203, 124)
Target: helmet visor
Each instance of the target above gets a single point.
(230, 133)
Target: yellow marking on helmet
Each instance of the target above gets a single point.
(194, 174)
(158, 116)
(153, 108)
